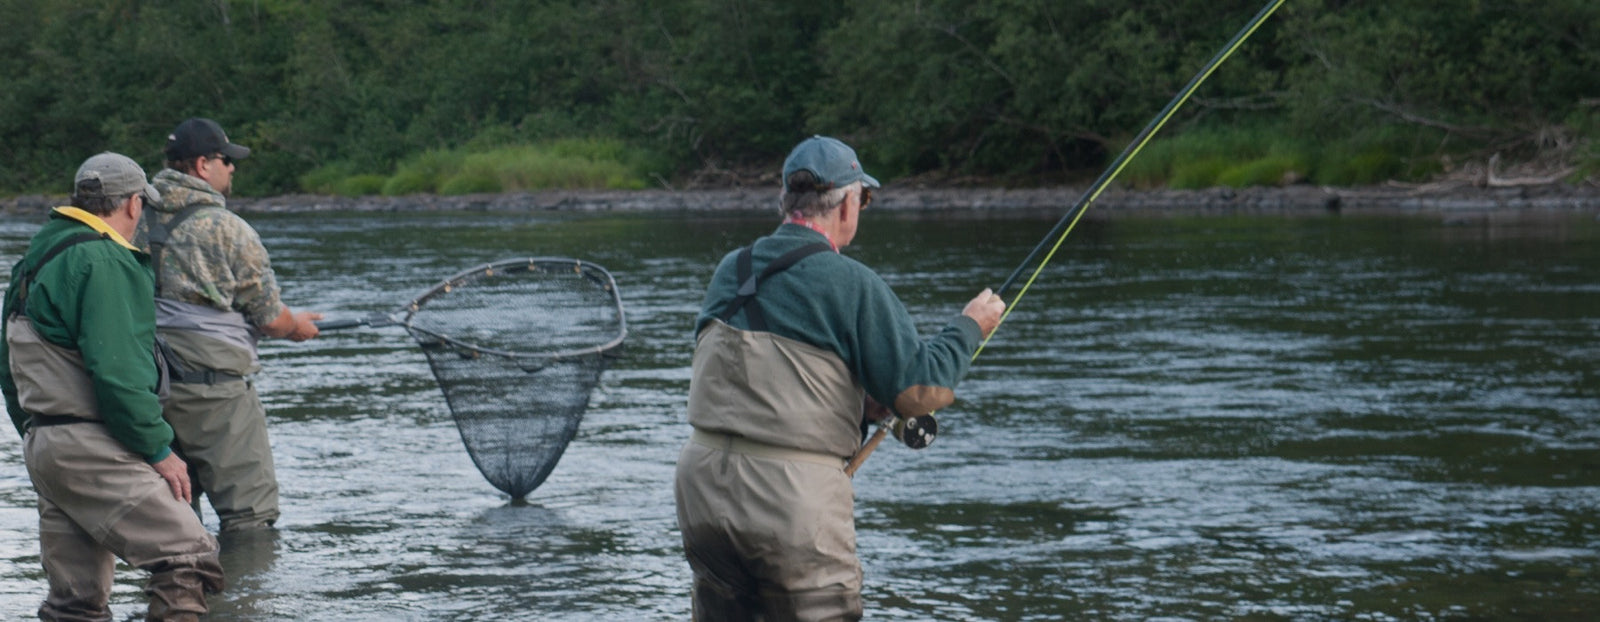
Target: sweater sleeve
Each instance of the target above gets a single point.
(899, 368)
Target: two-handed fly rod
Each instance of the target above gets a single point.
(917, 432)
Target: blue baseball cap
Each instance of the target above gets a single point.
(832, 162)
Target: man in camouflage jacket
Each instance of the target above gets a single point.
(215, 296)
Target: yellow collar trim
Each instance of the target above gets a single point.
(96, 223)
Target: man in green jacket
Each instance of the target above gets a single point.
(796, 344)
(216, 295)
(81, 386)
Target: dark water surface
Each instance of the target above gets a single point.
(1262, 418)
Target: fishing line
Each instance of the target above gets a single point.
(918, 432)
(1069, 221)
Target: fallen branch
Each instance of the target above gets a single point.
(1496, 181)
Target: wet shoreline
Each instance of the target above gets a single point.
(1547, 199)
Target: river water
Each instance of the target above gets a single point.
(1186, 418)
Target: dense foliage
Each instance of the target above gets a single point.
(1019, 91)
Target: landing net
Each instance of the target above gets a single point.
(517, 347)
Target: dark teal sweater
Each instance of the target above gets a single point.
(836, 303)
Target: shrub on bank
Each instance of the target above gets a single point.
(1272, 170)
(360, 185)
(1342, 168)
(1271, 156)
(423, 173)
(326, 179)
(564, 164)
(1190, 174)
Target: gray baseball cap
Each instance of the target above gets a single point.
(112, 175)
(832, 162)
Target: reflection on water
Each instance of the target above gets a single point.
(1185, 418)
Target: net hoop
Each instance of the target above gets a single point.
(587, 269)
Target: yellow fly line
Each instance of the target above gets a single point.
(1062, 229)
(1070, 220)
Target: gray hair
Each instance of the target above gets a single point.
(100, 205)
(802, 196)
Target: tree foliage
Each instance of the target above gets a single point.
(1016, 89)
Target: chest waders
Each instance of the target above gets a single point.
(160, 234)
(37, 420)
(748, 284)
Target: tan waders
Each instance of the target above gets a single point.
(221, 430)
(767, 536)
(766, 510)
(97, 500)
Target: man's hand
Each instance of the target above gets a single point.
(305, 326)
(176, 472)
(293, 326)
(986, 310)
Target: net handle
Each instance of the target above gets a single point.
(376, 320)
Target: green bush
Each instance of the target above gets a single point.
(326, 179)
(360, 185)
(1196, 173)
(471, 181)
(1273, 170)
(1368, 167)
(564, 164)
(409, 182)
(1229, 155)
(1152, 166)
(423, 173)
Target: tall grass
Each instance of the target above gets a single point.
(563, 164)
(1240, 156)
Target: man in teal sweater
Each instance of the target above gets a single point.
(796, 345)
(81, 386)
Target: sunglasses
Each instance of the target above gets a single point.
(866, 197)
(225, 159)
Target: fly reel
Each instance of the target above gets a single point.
(916, 432)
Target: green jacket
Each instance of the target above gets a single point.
(97, 298)
(834, 302)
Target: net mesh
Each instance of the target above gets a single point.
(517, 347)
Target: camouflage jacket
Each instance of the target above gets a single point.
(215, 258)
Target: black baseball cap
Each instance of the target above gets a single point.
(197, 137)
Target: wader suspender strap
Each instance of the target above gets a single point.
(27, 278)
(748, 283)
(160, 233)
(37, 420)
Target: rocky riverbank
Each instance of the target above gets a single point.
(1301, 199)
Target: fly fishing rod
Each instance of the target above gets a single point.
(918, 432)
